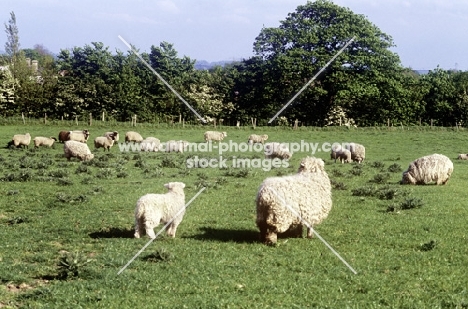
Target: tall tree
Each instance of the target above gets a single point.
(12, 45)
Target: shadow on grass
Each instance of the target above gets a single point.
(228, 235)
(113, 232)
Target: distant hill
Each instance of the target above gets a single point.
(205, 65)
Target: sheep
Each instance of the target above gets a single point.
(79, 136)
(132, 136)
(153, 209)
(114, 133)
(463, 156)
(277, 150)
(63, 136)
(344, 155)
(20, 140)
(308, 193)
(150, 144)
(435, 167)
(214, 136)
(44, 141)
(105, 142)
(176, 146)
(78, 150)
(358, 152)
(254, 138)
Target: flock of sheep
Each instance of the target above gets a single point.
(278, 200)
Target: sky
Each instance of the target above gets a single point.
(427, 33)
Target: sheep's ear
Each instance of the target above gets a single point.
(168, 185)
(182, 185)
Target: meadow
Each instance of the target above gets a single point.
(67, 227)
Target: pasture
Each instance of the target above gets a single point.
(67, 227)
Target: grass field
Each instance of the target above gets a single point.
(408, 244)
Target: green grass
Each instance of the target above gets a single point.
(409, 244)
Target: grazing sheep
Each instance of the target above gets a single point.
(78, 150)
(308, 192)
(153, 209)
(105, 142)
(277, 150)
(44, 141)
(463, 156)
(20, 140)
(344, 155)
(254, 138)
(63, 136)
(358, 152)
(132, 136)
(435, 167)
(79, 136)
(150, 144)
(176, 146)
(214, 136)
(114, 133)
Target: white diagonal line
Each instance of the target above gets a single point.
(311, 80)
(160, 231)
(162, 79)
(315, 232)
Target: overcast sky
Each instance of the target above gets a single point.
(427, 33)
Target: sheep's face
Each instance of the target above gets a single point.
(174, 185)
(265, 137)
(406, 178)
(225, 134)
(311, 165)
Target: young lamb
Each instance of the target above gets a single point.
(254, 138)
(214, 136)
(79, 136)
(78, 150)
(44, 141)
(153, 209)
(105, 142)
(20, 140)
(358, 151)
(132, 136)
(463, 156)
(150, 144)
(435, 167)
(114, 133)
(344, 155)
(308, 192)
(277, 150)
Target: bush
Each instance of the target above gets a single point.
(71, 265)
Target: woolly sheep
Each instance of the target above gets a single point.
(435, 167)
(254, 138)
(308, 192)
(344, 155)
(105, 142)
(79, 136)
(463, 156)
(153, 209)
(20, 140)
(44, 141)
(214, 136)
(78, 150)
(277, 150)
(114, 133)
(176, 146)
(132, 136)
(358, 151)
(63, 136)
(150, 144)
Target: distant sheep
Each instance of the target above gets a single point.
(254, 138)
(338, 153)
(214, 136)
(308, 193)
(22, 140)
(132, 136)
(427, 169)
(153, 209)
(79, 136)
(463, 156)
(176, 146)
(277, 150)
(44, 141)
(105, 142)
(77, 150)
(114, 133)
(150, 144)
(358, 152)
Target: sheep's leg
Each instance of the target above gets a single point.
(263, 231)
(150, 231)
(171, 230)
(295, 231)
(271, 237)
(310, 232)
(139, 230)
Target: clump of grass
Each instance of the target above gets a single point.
(83, 168)
(65, 198)
(428, 246)
(394, 168)
(65, 181)
(168, 161)
(17, 220)
(337, 173)
(387, 193)
(60, 173)
(243, 173)
(122, 174)
(160, 255)
(364, 191)
(87, 180)
(26, 162)
(380, 178)
(338, 185)
(202, 176)
(71, 265)
(21, 176)
(377, 164)
(407, 203)
(356, 170)
(13, 192)
(105, 173)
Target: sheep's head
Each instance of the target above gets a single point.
(225, 134)
(406, 179)
(264, 137)
(175, 186)
(311, 165)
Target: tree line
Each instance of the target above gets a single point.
(366, 85)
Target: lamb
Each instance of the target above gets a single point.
(176, 146)
(308, 192)
(105, 142)
(153, 209)
(214, 136)
(114, 133)
(44, 141)
(435, 167)
(20, 140)
(132, 136)
(254, 138)
(79, 136)
(358, 152)
(150, 144)
(277, 150)
(344, 155)
(463, 156)
(78, 150)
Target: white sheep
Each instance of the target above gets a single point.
(114, 133)
(44, 141)
(20, 140)
(214, 136)
(132, 136)
(277, 150)
(78, 135)
(105, 142)
(308, 193)
(344, 155)
(153, 209)
(463, 156)
(78, 150)
(150, 144)
(358, 151)
(254, 138)
(435, 167)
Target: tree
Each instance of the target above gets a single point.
(12, 46)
